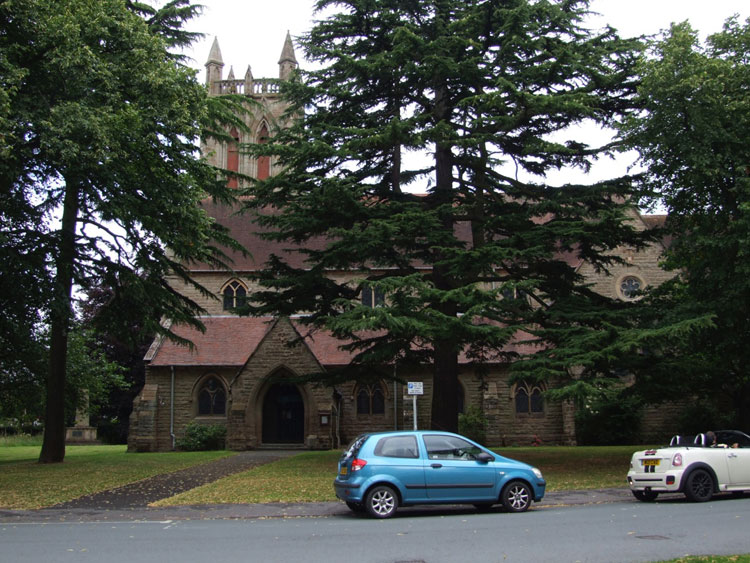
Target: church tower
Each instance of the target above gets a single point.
(214, 67)
(265, 116)
(287, 61)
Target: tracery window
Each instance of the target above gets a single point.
(235, 295)
(233, 157)
(629, 287)
(372, 297)
(529, 399)
(264, 162)
(212, 398)
(370, 399)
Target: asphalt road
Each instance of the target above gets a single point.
(614, 531)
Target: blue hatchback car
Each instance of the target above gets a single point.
(381, 471)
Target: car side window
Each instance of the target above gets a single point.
(353, 448)
(397, 446)
(730, 438)
(450, 447)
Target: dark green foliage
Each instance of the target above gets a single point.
(102, 166)
(702, 416)
(23, 286)
(91, 376)
(468, 103)
(9, 427)
(121, 343)
(692, 138)
(473, 424)
(168, 20)
(203, 437)
(612, 419)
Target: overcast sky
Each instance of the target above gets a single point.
(252, 32)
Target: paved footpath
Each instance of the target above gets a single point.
(130, 502)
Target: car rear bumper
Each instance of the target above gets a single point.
(667, 482)
(348, 490)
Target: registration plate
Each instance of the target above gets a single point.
(650, 462)
(343, 470)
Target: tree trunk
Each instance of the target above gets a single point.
(445, 388)
(445, 375)
(53, 445)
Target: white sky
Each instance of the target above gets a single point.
(252, 32)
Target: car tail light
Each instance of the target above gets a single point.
(677, 460)
(358, 464)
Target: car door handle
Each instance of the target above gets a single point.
(436, 465)
(732, 455)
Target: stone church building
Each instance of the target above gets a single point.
(239, 371)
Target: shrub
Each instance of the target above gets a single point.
(699, 417)
(473, 424)
(202, 437)
(611, 420)
(112, 431)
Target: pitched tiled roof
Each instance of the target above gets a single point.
(227, 341)
(325, 347)
(248, 233)
(230, 342)
(658, 221)
(245, 231)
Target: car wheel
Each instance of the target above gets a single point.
(516, 496)
(699, 486)
(355, 506)
(381, 502)
(645, 496)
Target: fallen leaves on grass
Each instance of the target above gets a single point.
(307, 477)
(26, 484)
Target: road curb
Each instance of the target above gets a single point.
(557, 499)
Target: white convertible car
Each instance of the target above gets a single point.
(694, 466)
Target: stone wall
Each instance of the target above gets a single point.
(643, 264)
(275, 360)
(661, 422)
(150, 420)
(268, 109)
(324, 427)
(215, 282)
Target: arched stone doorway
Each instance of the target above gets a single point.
(283, 415)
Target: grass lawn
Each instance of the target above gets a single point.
(582, 467)
(308, 477)
(24, 483)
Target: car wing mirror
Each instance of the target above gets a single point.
(484, 457)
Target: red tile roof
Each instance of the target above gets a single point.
(248, 233)
(227, 341)
(245, 231)
(231, 341)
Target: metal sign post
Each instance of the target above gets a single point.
(415, 388)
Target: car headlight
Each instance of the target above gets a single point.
(537, 473)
